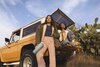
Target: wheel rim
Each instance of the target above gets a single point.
(27, 62)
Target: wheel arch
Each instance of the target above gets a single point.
(26, 47)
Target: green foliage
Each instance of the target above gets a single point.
(86, 32)
(73, 28)
(89, 31)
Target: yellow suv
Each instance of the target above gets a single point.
(18, 49)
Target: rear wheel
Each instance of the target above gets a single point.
(28, 59)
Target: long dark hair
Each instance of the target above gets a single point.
(52, 21)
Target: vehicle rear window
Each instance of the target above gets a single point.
(59, 17)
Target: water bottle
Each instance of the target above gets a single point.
(38, 47)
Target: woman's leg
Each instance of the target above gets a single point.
(39, 56)
(51, 49)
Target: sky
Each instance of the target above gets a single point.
(15, 14)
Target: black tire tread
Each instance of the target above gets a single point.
(28, 53)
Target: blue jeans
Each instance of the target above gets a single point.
(65, 42)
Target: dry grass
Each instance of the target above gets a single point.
(82, 60)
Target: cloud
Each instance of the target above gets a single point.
(93, 14)
(8, 21)
(69, 5)
(36, 8)
(7, 24)
(11, 2)
(83, 15)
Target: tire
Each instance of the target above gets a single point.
(1, 64)
(28, 59)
